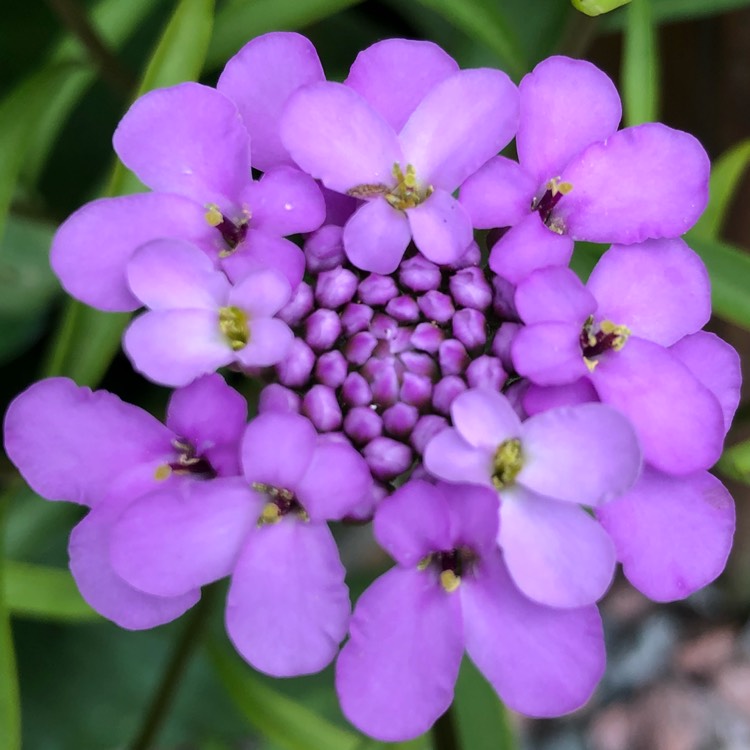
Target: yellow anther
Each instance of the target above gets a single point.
(233, 324)
(214, 217)
(450, 581)
(424, 563)
(506, 463)
(269, 514)
(556, 187)
(162, 472)
(619, 332)
(590, 363)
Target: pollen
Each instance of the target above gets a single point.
(214, 217)
(162, 472)
(233, 324)
(450, 581)
(407, 192)
(507, 463)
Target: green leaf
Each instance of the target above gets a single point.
(726, 173)
(666, 11)
(735, 462)
(729, 268)
(10, 702)
(640, 65)
(597, 7)
(282, 720)
(44, 593)
(240, 20)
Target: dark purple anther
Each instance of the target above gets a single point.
(502, 342)
(445, 391)
(322, 408)
(331, 369)
(324, 249)
(294, 371)
(452, 357)
(362, 424)
(387, 458)
(298, 307)
(335, 288)
(360, 347)
(403, 308)
(322, 329)
(355, 318)
(419, 363)
(436, 306)
(427, 337)
(486, 372)
(356, 390)
(419, 274)
(469, 328)
(377, 289)
(275, 397)
(425, 429)
(416, 389)
(232, 232)
(469, 288)
(399, 419)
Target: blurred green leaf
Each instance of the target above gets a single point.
(585, 256)
(666, 11)
(729, 268)
(640, 65)
(44, 593)
(726, 173)
(597, 7)
(238, 21)
(735, 462)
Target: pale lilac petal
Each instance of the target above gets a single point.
(285, 201)
(260, 251)
(717, 365)
(441, 228)
(554, 294)
(529, 246)
(549, 354)
(335, 483)
(659, 289)
(270, 341)
(473, 517)
(93, 246)
(70, 443)
(277, 449)
(586, 454)
(103, 589)
(376, 237)
(557, 554)
(335, 136)
(261, 293)
(679, 422)
(461, 123)
(174, 347)
(537, 399)
(648, 181)
(566, 105)
(395, 675)
(259, 79)
(167, 273)
(484, 418)
(395, 75)
(187, 139)
(499, 194)
(541, 661)
(672, 534)
(288, 606)
(450, 457)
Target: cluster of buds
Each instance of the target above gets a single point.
(512, 431)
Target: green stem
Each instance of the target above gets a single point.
(445, 732)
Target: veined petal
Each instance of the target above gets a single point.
(376, 237)
(484, 418)
(441, 228)
(395, 675)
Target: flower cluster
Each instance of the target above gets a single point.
(512, 431)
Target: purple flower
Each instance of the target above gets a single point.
(70, 443)
(288, 605)
(544, 470)
(450, 591)
(198, 321)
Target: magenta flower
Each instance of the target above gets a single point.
(544, 470)
(107, 454)
(450, 591)
(198, 321)
(288, 605)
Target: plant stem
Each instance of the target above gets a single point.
(445, 733)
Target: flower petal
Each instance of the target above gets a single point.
(549, 354)
(270, 341)
(450, 457)
(376, 237)
(484, 418)
(261, 293)
(441, 228)
(554, 294)
(537, 399)
(261, 251)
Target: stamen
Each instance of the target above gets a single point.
(545, 205)
(507, 463)
(234, 326)
(232, 232)
(281, 502)
(597, 339)
(188, 462)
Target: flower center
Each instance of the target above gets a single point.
(407, 193)
(506, 463)
(188, 462)
(233, 324)
(281, 502)
(232, 232)
(451, 566)
(554, 191)
(597, 339)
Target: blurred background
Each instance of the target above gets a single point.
(678, 675)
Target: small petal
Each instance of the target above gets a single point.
(261, 293)
(441, 228)
(450, 457)
(554, 294)
(549, 354)
(261, 251)
(376, 237)
(537, 399)
(484, 418)
(270, 341)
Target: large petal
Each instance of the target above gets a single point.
(537, 399)
(554, 294)
(586, 454)
(679, 422)
(70, 443)
(450, 457)
(672, 534)
(566, 105)
(549, 354)
(288, 606)
(184, 536)
(376, 237)
(499, 194)
(103, 589)
(261, 251)
(542, 662)
(395, 675)
(187, 139)
(270, 341)
(557, 554)
(461, 123)
(659, 289)
(168, 273)
(338, 138)
(648, 181)
(261, 293)
(484, 418)
(395, 75)
(441, 228)
(93, 246)
(174, 347)
(259, 79)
